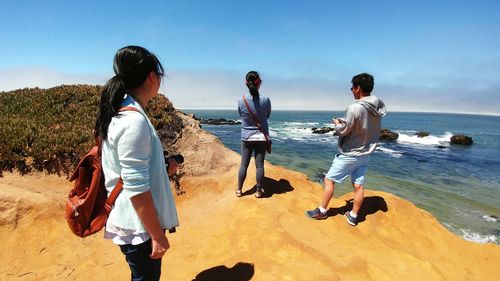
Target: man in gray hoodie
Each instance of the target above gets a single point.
(358, 132)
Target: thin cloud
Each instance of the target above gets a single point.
(30, 77)
(215, 89)
(221, 89)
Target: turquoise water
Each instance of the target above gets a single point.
(460, 185)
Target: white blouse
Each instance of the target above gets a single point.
(134, 151)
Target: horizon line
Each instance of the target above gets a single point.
(277, 109)
(335, 110)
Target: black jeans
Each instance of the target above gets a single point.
(259, 150)
(142, 267)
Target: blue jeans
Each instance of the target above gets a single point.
(142, 267)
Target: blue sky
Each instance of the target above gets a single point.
(439, 56)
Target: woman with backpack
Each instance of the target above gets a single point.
(132, 152)
(254, 110)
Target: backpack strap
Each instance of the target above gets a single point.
(255, 118)
(110, 202)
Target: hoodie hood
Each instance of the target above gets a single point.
(373, 105)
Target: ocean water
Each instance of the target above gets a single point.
(459, 185)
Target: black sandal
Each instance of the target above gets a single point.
(259, 193)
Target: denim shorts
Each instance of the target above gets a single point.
(344, 166)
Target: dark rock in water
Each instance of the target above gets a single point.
(387, 135)
(219, 121)
(322, 130)
(319, 177)
(422, 134)
(461, 139)
(441, 146)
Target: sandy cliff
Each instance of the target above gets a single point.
(222, 237)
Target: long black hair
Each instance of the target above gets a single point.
(132, 65)
(253, 82)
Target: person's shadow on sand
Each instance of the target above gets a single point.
(241, 271)
(371, 205)
(271, 186)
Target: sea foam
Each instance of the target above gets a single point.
(391, 152)
(478, 238)
(428, 140)
(490, 218)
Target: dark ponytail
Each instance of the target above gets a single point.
(253, 82)
(132, 66)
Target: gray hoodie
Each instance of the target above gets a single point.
(360, 130)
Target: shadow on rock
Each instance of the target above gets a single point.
(371, 205)
(271, 187)
(241, 271)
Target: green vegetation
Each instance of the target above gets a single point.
(51, 129)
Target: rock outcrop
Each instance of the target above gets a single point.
(422, 134)
(461, 139)
(388, 135)
(385, 134)
(219, 121)
(322, 130)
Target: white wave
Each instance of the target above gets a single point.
(428, 140)
(391, 152)
(478, 238)
(289, 132)
(301, 131)
(299, 139)
(490, 218)
(300, 123)
(294, 132)
(273, 133)
(326, 140)
(303, 135)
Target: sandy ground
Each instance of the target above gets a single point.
(222, 237)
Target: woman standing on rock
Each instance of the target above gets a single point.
(254, 110)
(132, 153)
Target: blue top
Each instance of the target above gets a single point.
(261, 108)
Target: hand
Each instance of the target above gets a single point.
(172, 166)
(160, 247)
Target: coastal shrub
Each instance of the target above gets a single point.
(51, 129)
